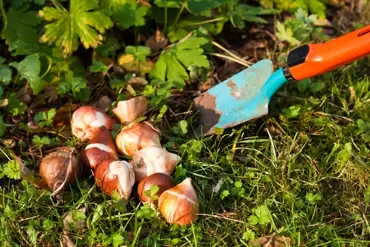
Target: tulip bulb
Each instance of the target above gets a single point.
(111, 175)
(137, 136)
(150, 160)
(163, 181)
(179, 205)
(87, 121)
(100, 148)
(129, 110)
(59, 168)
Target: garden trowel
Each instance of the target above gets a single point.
(246, 95)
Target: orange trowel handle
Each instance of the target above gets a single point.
(314, 59)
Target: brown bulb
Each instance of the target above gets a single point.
(179, 205)
(60, 168)
(137, 136)
(129, 110)
(163, 181)
(87, 121)
(115, 175)
(100, 148)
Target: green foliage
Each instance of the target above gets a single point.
(173, 63)
(40, 141)
(5, 72)
(299, 30)
(75, 85)
(139, 53)
(212, 16)
(10, 170)
(29, 68)
(45, 118)
(83, 22)
(301, 172)
(261, 216)
(15, 106)
(125, 13)
(316, 7)
(20, 31)
(98, 66)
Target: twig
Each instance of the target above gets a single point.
(231, 58)
(228, 52)
(333, 115)
(222, 217)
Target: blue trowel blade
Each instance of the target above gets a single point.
(240, 98)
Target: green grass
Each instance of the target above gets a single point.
(301, 172)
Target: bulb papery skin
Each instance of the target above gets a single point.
(150, 160)
(129, 110)
(179, 205)
(163, 181)
(88, 121)
(137, 136)
(99, 149)
(60, 168)
(117, 175)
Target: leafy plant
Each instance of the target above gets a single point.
(316, 7)
(298, 29)
(45, 118)
(126, 13)
(10, 170)
(82, 22)
(20, 31)
(173, 62)
(260, 216)
(212, 16)
(29, 68)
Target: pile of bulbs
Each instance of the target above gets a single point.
(150, 163)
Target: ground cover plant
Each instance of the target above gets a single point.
(297, 177)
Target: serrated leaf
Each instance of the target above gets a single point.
(317, 87)
(11, 170)
(19, 3)
(292, 112)
(139, 52)
(247, 13)
(286, 34)
(109, 47)
(186, 25)
(5, 72)
(253, 220)
(173, 63)
(199, 6)
(77, 85)
(314, 6)
(126, 13)
(118, 239)
(168, 3)
(29, 68)
(20, 32)
(98, 66)
(15, 106)
(82, 22)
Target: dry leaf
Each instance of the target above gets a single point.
(254, 44)
(157, 41)
(63, 116)
(271, 241)
(70, 224)
(65, 241)
(138, 81)
(103, 103)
